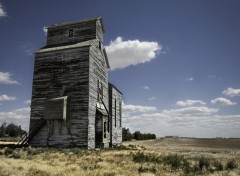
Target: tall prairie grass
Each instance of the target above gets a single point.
(127, 160)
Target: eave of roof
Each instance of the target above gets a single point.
(106, 58)
(115, 87)
(76, 45)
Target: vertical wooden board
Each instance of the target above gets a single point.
(82, 31)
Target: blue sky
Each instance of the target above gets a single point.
(177, 62)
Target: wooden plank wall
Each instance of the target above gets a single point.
(97, 72)
(77, 72)
(115, 97)
(53, 70)
(83, 31)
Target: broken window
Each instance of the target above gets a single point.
(70, 33)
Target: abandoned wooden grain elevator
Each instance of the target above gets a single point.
(73, 104)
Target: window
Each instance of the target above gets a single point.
(115, 111)
(100, 91)
(104, 130)
(100, 45)
(70, 33)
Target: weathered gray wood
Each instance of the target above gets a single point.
(115, 107)
(73, 66)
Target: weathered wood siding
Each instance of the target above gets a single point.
(53, 72)
(115, 107)
(82, 31)
(98, 72)
(73, 67)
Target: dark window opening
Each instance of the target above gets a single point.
(104, 130)
(70, 33)
(100, 91)
(100, 46)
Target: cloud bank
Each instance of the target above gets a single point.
(5, 78)
(6, 98)
(189, 102)
(122, 53)
(222, 101)
(231, 92)
(192, 121)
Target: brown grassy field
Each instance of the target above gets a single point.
(180, 156)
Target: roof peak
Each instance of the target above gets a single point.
(76, 22)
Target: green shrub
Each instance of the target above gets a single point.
(142, 169)
(37, 172)
(175, 161)
(203, 163)
(186, 166)
(218, 165)
(231, 165)
(16, 155)
(8, 151)
(1, 152)
(140, 157)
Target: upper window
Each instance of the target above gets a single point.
(100, 45)
(100, 91)
(70, 33)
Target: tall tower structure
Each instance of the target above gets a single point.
(70, 90)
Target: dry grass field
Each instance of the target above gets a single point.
(180, 156)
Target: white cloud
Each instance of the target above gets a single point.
(122, 54)
(191, 110)
(231, 92)
(2, 12)
(222, 101)
(138, 108)
(190, 79)
(6, 98)
(27, 102)
(5, 78)
(146, 87)
(18, 117)
(135, 109)
(189, 102)
(45, 30)
(152, 98)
